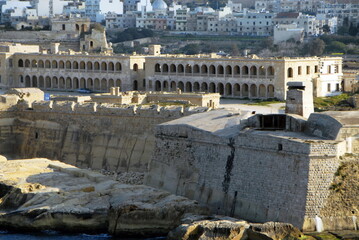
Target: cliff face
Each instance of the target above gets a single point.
(114, 139)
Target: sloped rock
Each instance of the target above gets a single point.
(39, 194)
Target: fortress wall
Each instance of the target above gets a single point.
(7, 138)
(246, 176)
(36, 36)
(89, 135)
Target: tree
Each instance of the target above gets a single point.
(316, 47)
(337, 46)
(343, 30)
(326, 28)
(234, 50)
(353, 31)
(190, 49)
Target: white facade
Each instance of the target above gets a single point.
(307, 22)
(96, 10)
(323, 20)
(284, 32)
(255, 24)
(342, 11)
(137, 5)
(330, 77)
(47, 8)
(121, 21)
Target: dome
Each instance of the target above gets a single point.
(159, 5)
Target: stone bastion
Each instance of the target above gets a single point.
(257, 167)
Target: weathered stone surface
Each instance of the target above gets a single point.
(218, 228)
(3, 158)
(39, 194)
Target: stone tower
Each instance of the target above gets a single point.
(299, 99)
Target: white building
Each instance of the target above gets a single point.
(331, 22)
(96, 10)
(284, 32)
(75, 8)
(121, 21)
(344, 12)
(307, 22)
(14, 9)
(48, 8)
(255, 24)
(330, 80)
(137, 5)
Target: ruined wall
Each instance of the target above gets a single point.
(86, 135)
(254, 175)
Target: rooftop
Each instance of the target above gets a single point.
(287, 15)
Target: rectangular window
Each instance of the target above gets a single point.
(316, 68)
(329, 69)
(337, 87)
(299, 70)
(328, 87)
(10, 63)
(308, 70)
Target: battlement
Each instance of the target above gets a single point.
(69, 107)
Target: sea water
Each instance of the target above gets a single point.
(52, 235)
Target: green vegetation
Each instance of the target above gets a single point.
(120, 48)
(191, 37)
(326, 103)
(132, 33)
(322, 236)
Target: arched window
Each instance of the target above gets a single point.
(118, 67)
(21, 63)
(157, 68)
(290, 72)
(54, 64)
(220, 70)
(212, 69)
(165, 68)
(270, 71)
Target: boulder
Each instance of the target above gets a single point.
(220, 228)
(3, 158)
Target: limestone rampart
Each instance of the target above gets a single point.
(88, 135)
(255, 173)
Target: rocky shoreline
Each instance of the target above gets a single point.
(39, 194)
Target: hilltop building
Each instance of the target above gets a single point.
(240, 77)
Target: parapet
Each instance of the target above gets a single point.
(85, 107)
(64, 107)
(148, 111)
(110, 109)
(172, 111)
(42, 106)
(69, 107)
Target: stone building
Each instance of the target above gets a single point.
(262, 167)
(70, 25)
(240, 77)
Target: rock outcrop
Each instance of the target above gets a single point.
(218, 228)
(39, 194)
